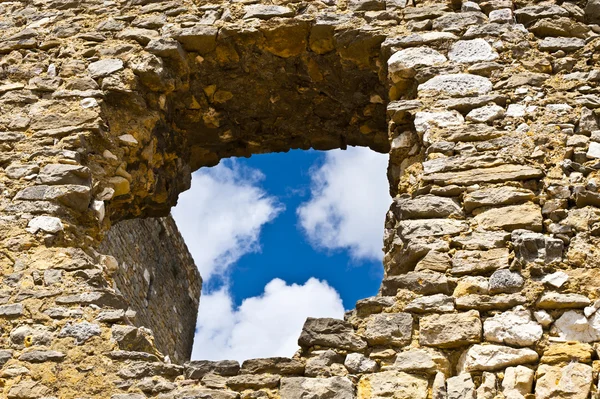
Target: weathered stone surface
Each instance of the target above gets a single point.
(426, 207)
(485, 175)
(470, 51)
(41, 356)
(573, 381)
(538, 248)
(272, 365)
(487, 389)
(48, 224)
(102, 68)
(517, 381)
(479, 262)
(505, 281)
(450, 330)
(389, 329)
(441, 119)
(80, 331)
(456, 85)
(574, 326)
(554, 300)
(486, 114)
(357, 363)
(592, 11)
(11, 310)
(514, 327)
(438, 303)
(392, 384)
(494, 357)
(411, 229)
(497, 196)
(434, 261)
(301, 387)
(330, 333)
(424, 283)
(249, 381)
(423, 360)
(402, 64)
(568, 352)
(461, 387)
(561, 43)
(527, 216)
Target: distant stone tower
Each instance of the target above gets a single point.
(488, 110)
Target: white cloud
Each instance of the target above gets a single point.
(349, 200)
(221, 216)
(263, 326)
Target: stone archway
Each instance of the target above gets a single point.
(490, 242)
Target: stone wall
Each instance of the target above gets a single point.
(488, 109)
(159, 280)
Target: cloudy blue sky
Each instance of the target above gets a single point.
(278, 238)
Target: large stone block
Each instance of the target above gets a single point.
(450, 330)
(394, 384)
(301, 388)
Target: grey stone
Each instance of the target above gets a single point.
(389, 329)
(321, 362)
(302, 388)
(514, 327)
(201, 39)
(367, 5)
(489, 302)
(496, 196)
(592, 11)
(486, 114)
(494, 357)
(64, 174)
(142, 36)
(11, 310)
(166, 48)
(458, 22)
(479, 239)
(479, 262)
(536, 247)
(461, 387)
(264, 11)
(426, 207)
(5, 356)
(18, 171)
(73, 196)
(496, 174)
(561, 43)
(438, 303)
(254, 382)
(102, 68)
(80, 331)
(471, 51)
(402, 64)
(502, 16)
(410, 229)
(273, 365)
(450, 330)
(424, 283)
(455, 85)
(41, 356)
(532, 13)
(48, 224)
(330, 333)
(357, 363)
(505, 281)
(422, 360)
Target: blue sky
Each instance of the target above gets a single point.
(278, 238)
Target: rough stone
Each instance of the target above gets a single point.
(48, 224)
(80, 331)
(422, 360)
(471, 51)
(461, 387)
(330, 333)
(573, 381)
(505, 281)
(527, 216)
(517, 382)
(102, 68)
(402, 64)
(438, 303)
(554, 300)
(427, 206)
(494, 357)
(357, 363)
(514, 327)
(450, 330)
(455, 85)
(496, 196)
(479, 262)
(389, 329)
(392, 384)
(301, 387)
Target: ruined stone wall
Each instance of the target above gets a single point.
(159, 280)
(488, 110)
